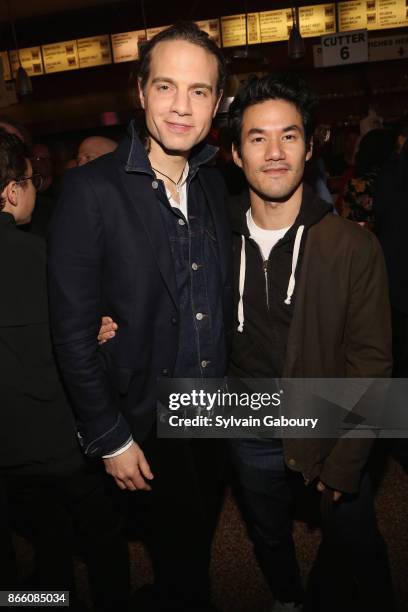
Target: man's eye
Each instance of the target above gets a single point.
(200, 93)
(289, 137)
(258, 139)
(163, 87)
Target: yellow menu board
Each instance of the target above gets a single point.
(372, 14)
(30, 59)
(94, 51)
(59, 57)
(233, 30)
(5, 62)
(390, 14)
(275, 25)
(353, 15)
(317, 20)
(125, 46)
(212, 27)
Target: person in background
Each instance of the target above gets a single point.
(374, 149)
(46, 196)
(43, 474)
(93, 147)
(390, 210)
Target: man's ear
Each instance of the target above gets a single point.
(236, 156)
(309, 150)
(10, 193)
(141, 94)
(218, 102)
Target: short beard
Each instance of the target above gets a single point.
(271, 198)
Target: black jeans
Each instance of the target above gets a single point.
(57, 512)
(351, 571)
(400, 354)
(183, 509)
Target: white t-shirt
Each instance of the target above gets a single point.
(266, 239)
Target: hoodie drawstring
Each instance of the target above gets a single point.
(295, 257)
(241, 286)
(242, 271)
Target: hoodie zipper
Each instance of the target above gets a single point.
(265, 270)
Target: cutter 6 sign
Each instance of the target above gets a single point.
(345, 48)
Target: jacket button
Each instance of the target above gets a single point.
(174, 320)
(199, 316)
(165, 372)
(205, 363)
(292, 462)
(194, 266)
(155, 184)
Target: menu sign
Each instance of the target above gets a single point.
(275, 25)
(125, 46)
(212, 27)
(373, 14)
(317, 20)
(94, 51)
(59, 57)
(234, 30)
(390, 14)
(30, 59)
(5, 64)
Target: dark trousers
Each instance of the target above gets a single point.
(351, 571)
(400, 354)
(56, 512)
(183, 509)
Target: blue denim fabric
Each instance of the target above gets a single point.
(196, 262)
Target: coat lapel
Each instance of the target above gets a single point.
(148, 211)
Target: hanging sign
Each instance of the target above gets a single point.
(344, 48)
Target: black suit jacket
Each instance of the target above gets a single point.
(37, 428)
(109, 253)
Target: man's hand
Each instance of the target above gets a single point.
(130, 469)
(321, 487)
(107, 330)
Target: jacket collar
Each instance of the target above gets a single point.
(133, 154)
(7, 219)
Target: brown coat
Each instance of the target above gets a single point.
(340, 329)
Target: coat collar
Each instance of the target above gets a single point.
(7, 219)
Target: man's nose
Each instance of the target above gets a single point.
(274, 149)
(181, 103)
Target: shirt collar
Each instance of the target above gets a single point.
(138, 161)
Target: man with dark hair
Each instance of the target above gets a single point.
(141, 234)
(310, 297)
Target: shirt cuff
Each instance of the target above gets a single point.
(120, 450)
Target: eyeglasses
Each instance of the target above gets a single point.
(36, 179)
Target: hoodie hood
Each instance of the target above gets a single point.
(312, 210)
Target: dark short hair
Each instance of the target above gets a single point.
(5, 119)
(288, 87)
(190, 32)
(13, 160)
